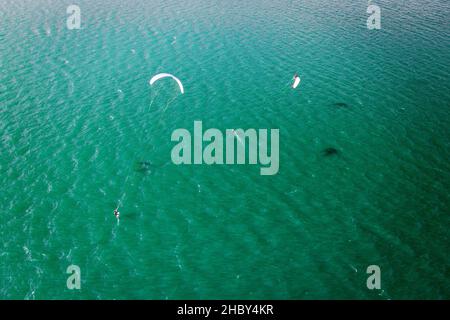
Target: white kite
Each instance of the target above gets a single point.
(165, 75)
(296, 81)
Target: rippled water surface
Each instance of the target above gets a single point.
(77, 118)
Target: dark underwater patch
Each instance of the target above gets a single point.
(330, 151)
(341, 105)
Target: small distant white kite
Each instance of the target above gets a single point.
(165, 75)
(296, 81)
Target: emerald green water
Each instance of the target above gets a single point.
(77, 115)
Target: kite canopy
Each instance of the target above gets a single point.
(167, 75)
(296, 82)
